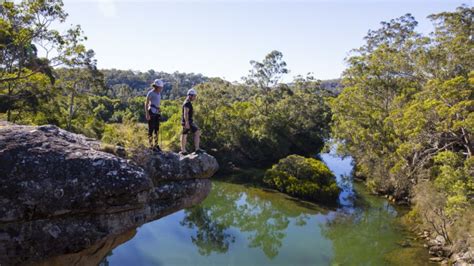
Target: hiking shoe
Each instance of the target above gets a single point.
(199, 151)
(184, 153)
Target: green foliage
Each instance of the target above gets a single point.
(170, 130)
(454, 178)
(26, 27)
(267, 73)
(250, 127)
(302, 177)
(127, 83)
(406, 115)
(127, 134)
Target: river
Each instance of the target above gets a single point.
(244, 225)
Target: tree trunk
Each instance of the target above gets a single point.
(71, 110)
(9, 112)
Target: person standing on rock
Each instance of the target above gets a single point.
(188, 123)
(152, 112)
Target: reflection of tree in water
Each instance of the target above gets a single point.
(210, 236)
(264, 215)
(264, 222)
(362, 237)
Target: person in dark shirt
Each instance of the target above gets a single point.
(188, 124)
(152, 112)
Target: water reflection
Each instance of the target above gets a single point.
(93, 255)
(240, 225)
(263, 215)
(363, 235)
(211, 235)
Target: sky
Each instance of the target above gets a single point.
(218, 38)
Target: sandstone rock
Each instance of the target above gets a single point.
(60, 194)
(171, 166)
(436, 259)
(440, 240)
(462, 263)
(47, 172)
(468, 256)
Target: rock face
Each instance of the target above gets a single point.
(171, 166)
(47, 172)
(59, 188)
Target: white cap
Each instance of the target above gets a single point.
(158, 83)
(192, 92)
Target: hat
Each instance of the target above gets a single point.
(158, 83)
(192, 92)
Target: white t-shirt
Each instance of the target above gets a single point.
(155, 100)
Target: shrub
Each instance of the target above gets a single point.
(305, 178)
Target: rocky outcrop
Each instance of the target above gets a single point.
(49, 172)
(459, 254)
(59, 188)
(171, 166)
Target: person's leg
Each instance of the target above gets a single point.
(150, 132)
(184, 135)
(156, 129)
(197, 138)
(183, 142)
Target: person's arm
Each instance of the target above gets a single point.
(186, 117)
(147, 102)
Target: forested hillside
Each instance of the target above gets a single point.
(406, 116)
(128, 83)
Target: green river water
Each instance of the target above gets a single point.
(243, 225)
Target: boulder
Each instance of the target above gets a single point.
(166, 166)
(47, 171)
(59, 188)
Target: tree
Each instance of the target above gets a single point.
(80, 78)
(267, 74)
(451, 52)
(382, 70)
(26, 28)
(406, 116)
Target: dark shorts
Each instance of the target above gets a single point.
(153, 123)
(192, 127)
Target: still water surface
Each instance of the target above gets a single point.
(240, 225)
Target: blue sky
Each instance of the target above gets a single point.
(219, 38)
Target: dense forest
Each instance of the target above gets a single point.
(403, 108)
(406, 116)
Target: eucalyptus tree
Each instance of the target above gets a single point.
(30, 46)
(406, 116)
(267, 74)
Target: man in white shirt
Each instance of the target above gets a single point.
(152, 112)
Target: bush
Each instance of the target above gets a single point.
(130, 135)
(305, 178)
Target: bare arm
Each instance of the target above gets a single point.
(147, 102)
